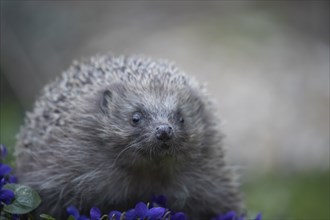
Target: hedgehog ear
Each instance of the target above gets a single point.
(105, 100)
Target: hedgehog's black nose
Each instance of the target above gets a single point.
(164, 132)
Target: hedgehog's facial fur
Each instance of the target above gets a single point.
(133, 114)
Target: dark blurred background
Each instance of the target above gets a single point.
(266, 63)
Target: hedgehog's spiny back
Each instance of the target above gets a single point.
(58, 99)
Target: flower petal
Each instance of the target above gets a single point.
(95, 213)
(72, 210)
(141, 209)
(3, 151)
(115, 215)
(4, 169)
(82, 217)
(258, 217)
(159, 200)
(6, 196)
(179, 216)
(228, 216)
(156, 212)
(2, 182)
(130, 215)
(12, 179)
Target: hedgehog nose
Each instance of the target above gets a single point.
(164, 132)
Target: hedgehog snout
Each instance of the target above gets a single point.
(164, 132)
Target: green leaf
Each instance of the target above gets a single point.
(26, 199)
(71, 218)
(47, 217)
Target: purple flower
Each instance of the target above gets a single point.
(12, 179)
(115, 215)
(145, 212)
(179, 216)
(142, 211)
(83, 217)
(228, 216)
(73, 211)
(155, 213)
(3, 151)
(6, 196)
(95, 213)
(4, 170)
(233, 216)
(159, 200)
(258, 217)
(2, 182)
(130, 214)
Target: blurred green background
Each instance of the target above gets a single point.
(11, 118)
(266, 64)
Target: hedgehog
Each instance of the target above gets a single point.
(112, 131)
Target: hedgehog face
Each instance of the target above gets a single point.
(152, 121)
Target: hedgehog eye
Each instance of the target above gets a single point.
(179, 117)
(136, 118)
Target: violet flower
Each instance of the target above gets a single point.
(158, 201)
(73, 211)
(95, 213)
(233, 216)
(3, 151)
(4, 170)
(142, 211)
(6, 196)
(115, 215)
(179, 216)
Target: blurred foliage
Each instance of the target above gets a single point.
(278, 195)
(11, 117)
(296, 195)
